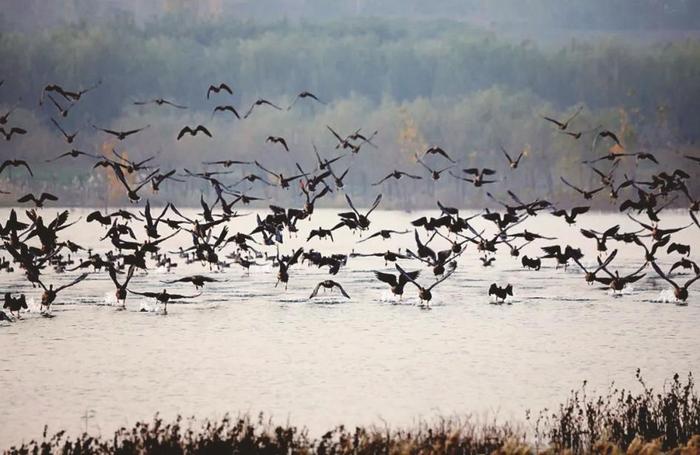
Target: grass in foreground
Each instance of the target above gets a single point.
(664, 421)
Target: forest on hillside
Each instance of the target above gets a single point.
(417, 83)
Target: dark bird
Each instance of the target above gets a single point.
(599, 237)
(226, 108)
(571, 216)
(500, 293)
(683, 250)
(121, 135)
(193, 132)
(61, 110)
(397, 175)
(321, 234)
(590, 275)
(226, 163)
(14, 130)
(132, 193)
(69, 137)
(37, 202)
(260, 102)
(284, 263)
(159, 102)
(278, 140)
(218, 88)
(434, 150)
(15, 163)
(328, 284)
(513, 163)
(197, 280)
(73, 154)
(384, 234)
(434, 173)
(362, 220)
(424, 293)
(680, 292)
(397, 282)
(587, 194)
(50, 293)
(616, 282)
(6, 116)
(121, 291)
(531, 263)
(565, 124)
(304, 95)
(15, 304)
(281, 179)
(164, 297)
(478, 174)
(606, 134)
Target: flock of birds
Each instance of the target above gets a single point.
(34, 244)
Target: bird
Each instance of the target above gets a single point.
(15, 163)
(384, 234)
(226, 108)
(37, 202)
(193, 132)
(50, 294)
(304, 95)
(513, 163)
(164, 297)
(61, 110)
(395, 174)
(434, 173)
(121, 292)
(260, 102)
(197, 280)
(69, 137)
(478, 174)
(606, 134)
(159, 102)
(531, 263)
(587, 194)
(278, 140)
(217, 88)
(132, 193)
(12, 131)
(424, 293)
(121, 135)
(73, 154)
(590, 275)
(397, 282)
(435, 150)
(362, 220)
(499, 292)
(565, 124)
(570, 217)
(680, 292)
(328, 284)
(15, 304)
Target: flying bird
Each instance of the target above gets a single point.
(260, 102)
(217, 88)
(121, 135)
(193, 132)
(304, 95)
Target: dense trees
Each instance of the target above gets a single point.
(466, 89)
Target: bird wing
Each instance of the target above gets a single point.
(315, 291)
(663, 275)
(74, 282)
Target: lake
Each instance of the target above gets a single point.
(248, 346)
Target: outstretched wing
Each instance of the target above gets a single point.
(74, 282)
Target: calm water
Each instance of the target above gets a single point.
(245, 345)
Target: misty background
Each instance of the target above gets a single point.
(470, 76)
